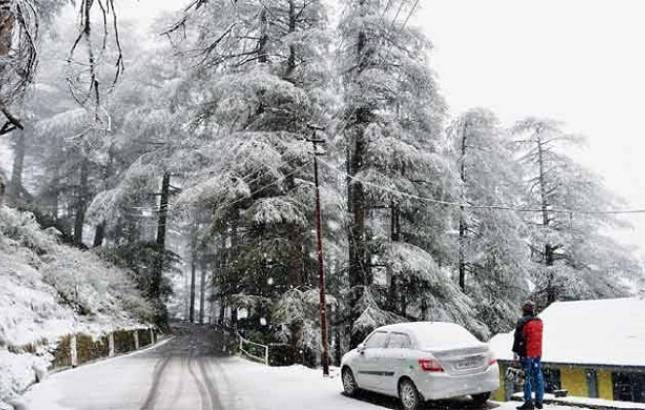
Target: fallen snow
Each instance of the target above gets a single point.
(607, 332)
(588, 402)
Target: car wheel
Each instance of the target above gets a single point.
(409, 395)
(481, 398)
(349, 383)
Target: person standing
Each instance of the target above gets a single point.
(527, 347)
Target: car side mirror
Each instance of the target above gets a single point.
(361, 348)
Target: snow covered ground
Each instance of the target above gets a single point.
(193, 371)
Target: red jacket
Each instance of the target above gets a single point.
(532, 332)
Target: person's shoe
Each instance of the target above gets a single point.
(526, 406)
(538, 405)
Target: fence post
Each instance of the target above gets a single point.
(111, 344)
(73, 351)
(266, 355)
(136, 339)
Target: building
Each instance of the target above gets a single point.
(592, 349)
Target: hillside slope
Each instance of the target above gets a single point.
(49, 290)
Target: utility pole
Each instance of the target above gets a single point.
(321, 267)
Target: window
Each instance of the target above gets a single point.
(629, 387)
(376, 340)
(399, 341)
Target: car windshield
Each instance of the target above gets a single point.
(443, 335)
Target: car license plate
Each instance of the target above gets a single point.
(467, 364)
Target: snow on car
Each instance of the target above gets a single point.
(421, 361)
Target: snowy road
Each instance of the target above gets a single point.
(193, 371)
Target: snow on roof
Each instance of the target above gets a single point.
(435, 335)
(416, 326)
(601, 332)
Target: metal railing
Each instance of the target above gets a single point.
(254, 351)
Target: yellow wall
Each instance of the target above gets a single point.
(499, 394)
(605, 385)
(575, 381)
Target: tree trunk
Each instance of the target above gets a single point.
(99, 235)
(549, 257)
(2, 190)
(264, 37)
(359, 275)
(193, 268)
(19, 150)
(99, 232)
(81, 203)
(395, 236)
(462, 211)
(161, 236)
(202, 292)
(291, 62)
(7, 22)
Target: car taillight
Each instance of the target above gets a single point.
(430, 365)
(491, 358)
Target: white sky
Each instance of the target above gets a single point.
(579, 61)
(576, 60)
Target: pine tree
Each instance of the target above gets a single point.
(393, 134)
(566, 232)
(263, 66)
(492, 253)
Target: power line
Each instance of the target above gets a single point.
(500, 207)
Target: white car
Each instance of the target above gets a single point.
(421, 361)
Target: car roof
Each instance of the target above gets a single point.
(415, 326)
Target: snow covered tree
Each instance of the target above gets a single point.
(571, 203)
(492, 260)
(262, 75)
(393, 136)
(18, 57)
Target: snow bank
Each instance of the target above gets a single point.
(587, 402)
(47, 291)
(18, 371)
(607, 332)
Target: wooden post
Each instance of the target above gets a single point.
(73, 351)
(111, 344)
(136, 339)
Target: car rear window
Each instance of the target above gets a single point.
(399, 341)
(444, 335)
(376, 340)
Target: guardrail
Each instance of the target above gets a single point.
(255, 351)
(273, 354)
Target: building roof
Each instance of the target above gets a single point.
(608, 332)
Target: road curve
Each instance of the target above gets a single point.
(179, 374)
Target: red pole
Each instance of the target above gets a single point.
(321, 273)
